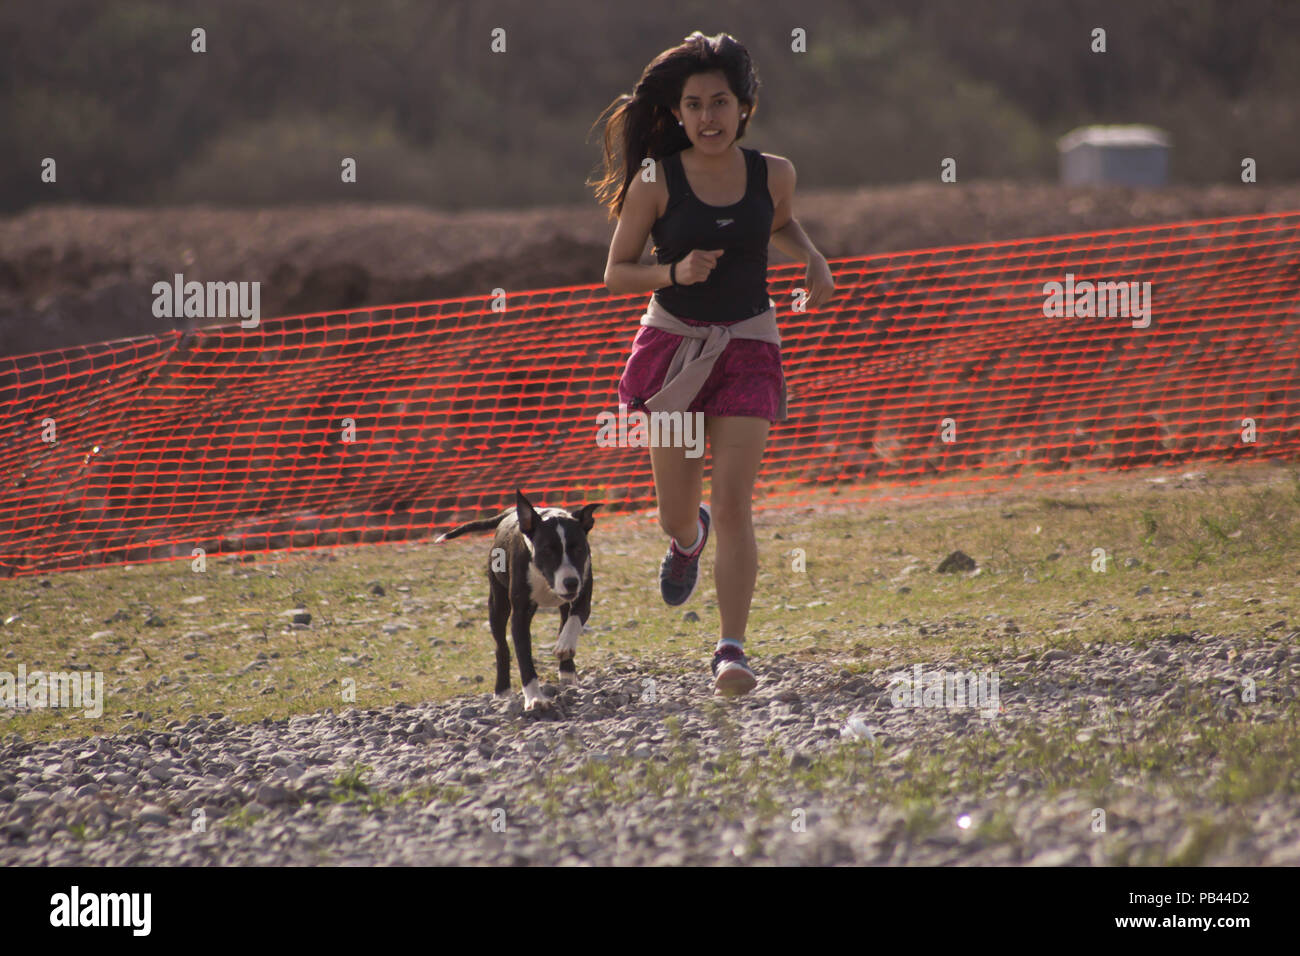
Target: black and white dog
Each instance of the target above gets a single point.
(538, 558)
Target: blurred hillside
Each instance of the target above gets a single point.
(73, 274)
(412, 90)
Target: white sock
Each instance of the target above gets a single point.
(698, 536)
(723, 642)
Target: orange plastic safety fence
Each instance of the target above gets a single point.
(933, 371)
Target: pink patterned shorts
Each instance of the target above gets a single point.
(746, 379)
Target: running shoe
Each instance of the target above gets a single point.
(679, 571)
(731, 674)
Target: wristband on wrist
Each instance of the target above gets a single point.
(672, 276)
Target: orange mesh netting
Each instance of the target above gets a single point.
(931, 372)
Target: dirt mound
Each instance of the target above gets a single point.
(70, 275)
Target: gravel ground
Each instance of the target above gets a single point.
(628, 772)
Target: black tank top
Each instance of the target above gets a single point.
(736, 289)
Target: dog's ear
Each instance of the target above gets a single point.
(527, 514)
(584, 516)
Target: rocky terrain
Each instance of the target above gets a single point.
(1113, 754)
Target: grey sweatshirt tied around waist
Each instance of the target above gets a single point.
(699, 350)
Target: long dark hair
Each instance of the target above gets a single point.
(643, 124)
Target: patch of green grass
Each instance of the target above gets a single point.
(241, 818)
(1149, 526)
(1050, 504)
(837, 597)
(997, 827)
(1205, 837)
(921, 818)
(422, 794)
(79, 831)
(351, 783)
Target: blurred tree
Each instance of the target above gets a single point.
(886, 88)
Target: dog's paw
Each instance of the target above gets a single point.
(534, 699)
(566, 645)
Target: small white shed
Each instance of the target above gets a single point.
(1116, 155)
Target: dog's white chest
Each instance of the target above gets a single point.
(541, 594)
